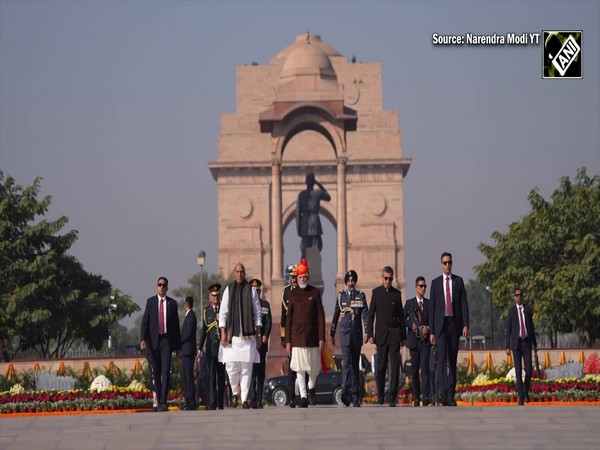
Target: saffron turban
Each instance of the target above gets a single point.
(302, 268)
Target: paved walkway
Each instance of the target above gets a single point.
(322, 427)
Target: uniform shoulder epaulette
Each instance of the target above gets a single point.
(207, 306)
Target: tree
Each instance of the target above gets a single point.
(193, 290)
(480, 315)
(553, 253)
(48, 301)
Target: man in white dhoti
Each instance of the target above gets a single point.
(305, 333)
(240, 322)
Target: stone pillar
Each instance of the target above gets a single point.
(276, 226)
(342, 235)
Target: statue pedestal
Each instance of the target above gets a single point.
(313, 256)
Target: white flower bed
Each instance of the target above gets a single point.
(512, 375)
(17, 389)
(100, 383)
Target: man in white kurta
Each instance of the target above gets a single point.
(240, 325)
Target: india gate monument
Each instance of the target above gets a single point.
(310, 124)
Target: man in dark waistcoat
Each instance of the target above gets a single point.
(351, 307)
(285, 300)
(210, 336)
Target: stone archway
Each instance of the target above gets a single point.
(309, 88)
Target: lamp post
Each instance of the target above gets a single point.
(112, 306)
(201, 260)
(489, 289)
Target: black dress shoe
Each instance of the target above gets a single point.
(356, 404)
(234, 401)
(246, 405)
(426, 402)
(392, 404)
(417, 403)
(521, 401)
(380, 400)
(292, 404)
(162, 407)
(154, 408)
(527, 399)
(312, 396)
(345, 399)
(451, 403)
(441, 401)
(303, 402)
(211, 408)
(220, 407)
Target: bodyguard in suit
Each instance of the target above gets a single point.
(258, 370)
(160, 337)
(520, 338)
(448, 320)
(390, 333)
(188, 355)
(351, 306)
(211, 337)
(416, 311)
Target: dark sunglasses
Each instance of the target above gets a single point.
(422, 285)
(388, 278)
(162, 285)
(446, 263)
(518, 295)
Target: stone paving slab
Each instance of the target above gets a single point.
(322, 427)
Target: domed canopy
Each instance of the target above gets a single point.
(315, 40)
(307, 60)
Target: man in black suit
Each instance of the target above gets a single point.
(188, 354)
(448, 320)
(416, 311)
(160, 337)
(520, 338)
(258, 369)
(390, 333)
(210, 335)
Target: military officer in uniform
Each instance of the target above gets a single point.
(351, 306)
(258, 370)
(210, 335)
(285, 299)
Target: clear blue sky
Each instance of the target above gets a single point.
(117, 106)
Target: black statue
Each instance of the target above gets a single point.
(308, 223)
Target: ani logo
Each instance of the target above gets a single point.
(563, 54)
